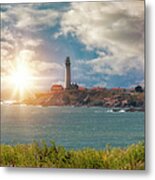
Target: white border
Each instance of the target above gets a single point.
(27, 1)
(68, 174)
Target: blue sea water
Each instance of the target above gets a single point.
(71, 127)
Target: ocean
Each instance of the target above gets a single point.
(71, 127)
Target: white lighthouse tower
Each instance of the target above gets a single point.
(67, 74)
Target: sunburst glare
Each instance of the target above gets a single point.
(21, 78)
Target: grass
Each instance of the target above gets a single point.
(41, 155)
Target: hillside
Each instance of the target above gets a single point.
(105, 98)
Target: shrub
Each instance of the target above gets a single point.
(41, 155)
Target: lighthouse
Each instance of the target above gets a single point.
(67, 74)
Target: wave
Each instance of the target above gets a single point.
(110, 111)
(115, 111)
(122, 111)
(8, 102)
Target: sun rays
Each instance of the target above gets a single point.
(21, 78)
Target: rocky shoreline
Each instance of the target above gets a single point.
(129, 101)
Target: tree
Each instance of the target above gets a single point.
(138, 88)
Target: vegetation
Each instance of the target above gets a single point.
(122, 98)
(41, 155)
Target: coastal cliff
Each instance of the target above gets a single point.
(105, 98)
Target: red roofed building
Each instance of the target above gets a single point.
(80, 88)
(116, 89)
(57, 88)
(98, 88)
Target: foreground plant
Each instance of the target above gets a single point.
(41, 155)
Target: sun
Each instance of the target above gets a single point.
(21, 78)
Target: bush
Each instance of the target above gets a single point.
(41, 155)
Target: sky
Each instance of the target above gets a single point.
(104, 40)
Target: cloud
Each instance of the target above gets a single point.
(22, 41)
(115, 30)
(116, 65)
(43, 73)
(7, 35)
(45, 66)
(8, 45)
(112, 33)
(13, 42)
(47, 73)
(26, 55)
(33, 43)
(28, 17)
